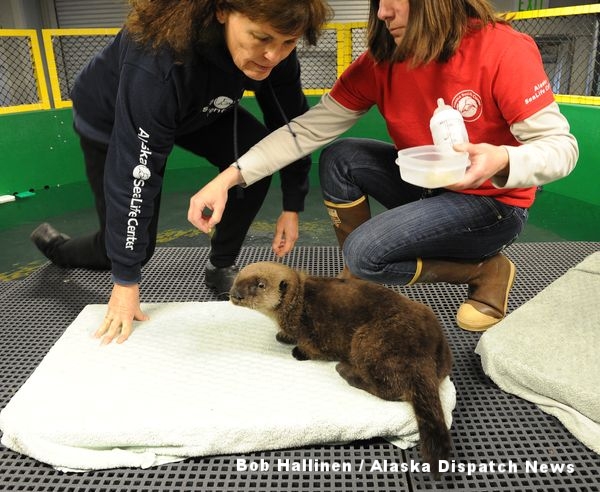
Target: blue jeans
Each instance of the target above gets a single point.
(419, 223)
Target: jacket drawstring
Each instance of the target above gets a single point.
(240, 190)
(284, 116)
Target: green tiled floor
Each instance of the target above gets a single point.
(553, 218)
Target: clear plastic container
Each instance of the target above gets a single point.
(430, 166)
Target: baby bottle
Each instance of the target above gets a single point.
(447, 126)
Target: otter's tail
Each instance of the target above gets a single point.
(436, 442)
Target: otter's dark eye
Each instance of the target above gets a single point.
(261, 285)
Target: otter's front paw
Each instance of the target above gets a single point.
(284, 338)
(299, 355)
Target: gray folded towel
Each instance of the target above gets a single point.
(548, 351)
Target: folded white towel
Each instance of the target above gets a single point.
(546, 351)
(197, 379)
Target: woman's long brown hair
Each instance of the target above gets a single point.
(434, 31)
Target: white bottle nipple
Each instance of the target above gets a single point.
(447, 126)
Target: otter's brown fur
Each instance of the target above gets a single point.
(387, 344)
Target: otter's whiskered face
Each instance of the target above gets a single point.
(259, 286)
(246, 291)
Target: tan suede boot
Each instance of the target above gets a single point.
(489, 281)
(346, 217)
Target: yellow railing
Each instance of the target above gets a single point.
(49, 35)
(32, 72)
(556, 12)
(566, 33)
(554, 15)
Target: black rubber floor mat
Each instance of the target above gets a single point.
(501, 442)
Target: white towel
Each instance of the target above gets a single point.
(546, 351)
(197, 379)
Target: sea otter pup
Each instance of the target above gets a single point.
(387, 344)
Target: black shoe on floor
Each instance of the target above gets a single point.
(46, 238)
(220, 279)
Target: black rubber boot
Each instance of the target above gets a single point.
(220, 279)
(47, 239)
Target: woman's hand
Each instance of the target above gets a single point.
(286, 233)
(123, 308)
(206, 206)
(486, 161)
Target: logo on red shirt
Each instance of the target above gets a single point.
(468, 103)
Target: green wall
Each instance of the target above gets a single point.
(582, 183)
(39, 150)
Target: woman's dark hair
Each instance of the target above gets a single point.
(181, 24)
(434, 31)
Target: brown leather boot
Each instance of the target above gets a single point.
(489, 281)
(346, 217)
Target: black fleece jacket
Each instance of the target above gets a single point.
(139, 102)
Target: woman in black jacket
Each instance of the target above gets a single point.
(175, 76)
